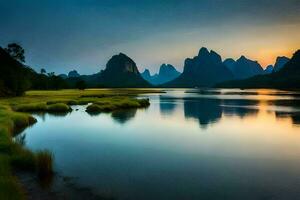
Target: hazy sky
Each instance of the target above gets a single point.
(71, 34)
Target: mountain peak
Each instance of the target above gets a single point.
(166, 73)
(73, 74)
(203, 70)
(280, 62)
(166, 69)
(203, 51)
(146, 74)
(243, 58)
(269, 69)
(121, 63)
(215, 56)
(121, 71)
(245, 68)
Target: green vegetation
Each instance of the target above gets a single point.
(116, 103)
(43, 107)
(16, 78)
(15, 156)
(12, 154)
(44, 163)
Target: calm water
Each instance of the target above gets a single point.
(189, 144)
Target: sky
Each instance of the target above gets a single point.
(62, 35)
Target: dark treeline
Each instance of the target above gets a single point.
(16, 78)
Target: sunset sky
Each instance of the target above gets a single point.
(71, 34)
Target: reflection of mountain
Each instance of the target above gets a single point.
(239, 107)
(167, 107)
(207, 111)
(294, 116)
(123, 116)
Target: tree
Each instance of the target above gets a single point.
(51, 74)
(43, 71)
(16, 51)
(81, 85)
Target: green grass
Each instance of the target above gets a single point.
(42, 107)
(116, 103)
(58, 107)
(14, 116)
(12, 154)
(44, 163)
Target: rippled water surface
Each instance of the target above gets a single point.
(189, 144)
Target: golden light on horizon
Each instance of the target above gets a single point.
(268, 56)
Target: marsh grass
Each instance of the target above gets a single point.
(44, 163)
(22, 158)
(116, 103)
(11, 154)
(14, 155)
(58, 107)
(42, 107)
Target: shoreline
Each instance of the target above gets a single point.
(60, 188)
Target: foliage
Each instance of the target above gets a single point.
(16, 78)
(16, 51)
(13, 154)
(42, 107)
(81, 85)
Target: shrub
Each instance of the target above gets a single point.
(111, 104)
(58, 107)
(31, 107)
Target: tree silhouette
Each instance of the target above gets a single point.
(43, 71)
(16, 51)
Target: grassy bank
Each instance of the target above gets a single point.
(13, 155)
(116, 103)
(15, 115)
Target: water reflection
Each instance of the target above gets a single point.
(43, 115)
(206, 111)
(294, 116)
(20, 138)
(123, 116)
(210, 109)
(240, 107)
(167, 107)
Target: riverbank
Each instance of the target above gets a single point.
(15, 115)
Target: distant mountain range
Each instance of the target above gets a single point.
(243, 67)
(120, 71)
(166, 73)
(287, 77)
(204, 70)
